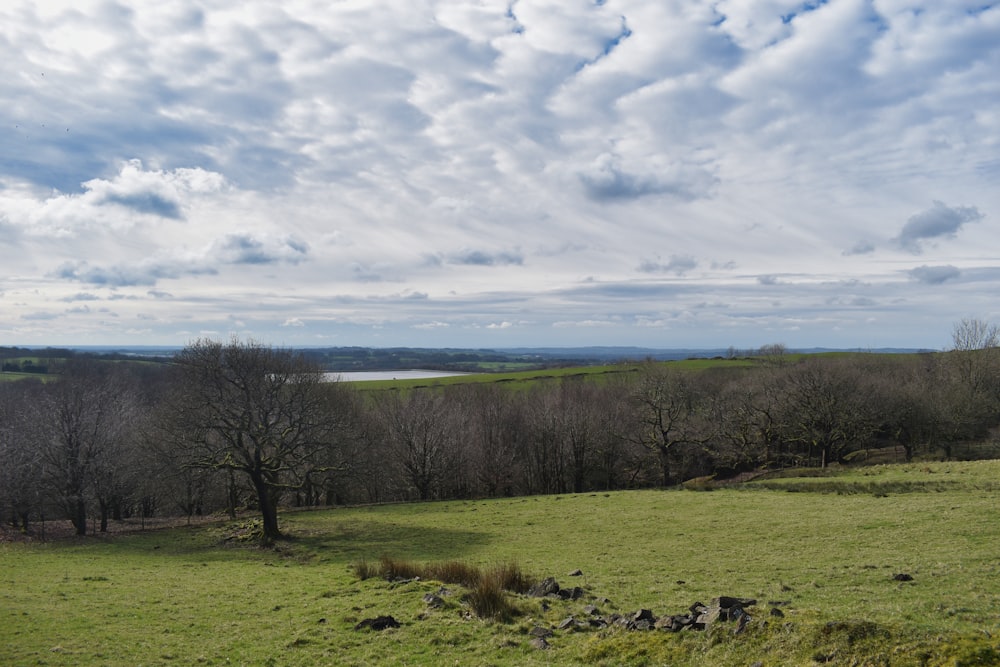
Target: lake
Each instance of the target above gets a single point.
(410, 374)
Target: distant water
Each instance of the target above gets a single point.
(364, 376)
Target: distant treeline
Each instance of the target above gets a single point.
(252, 427)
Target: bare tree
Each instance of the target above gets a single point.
(85, 417)
(828, 408)
(492, 432)
(750, 421)
(974, 334)
(20, 457)
(421, 434)
(253, 410)
(668, 413)
(976, 356)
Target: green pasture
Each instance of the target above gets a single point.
(522, 379)
(825, 556)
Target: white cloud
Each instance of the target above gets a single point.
(378, 171)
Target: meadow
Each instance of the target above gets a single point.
(825, 551)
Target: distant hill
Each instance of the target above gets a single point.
(453, 359)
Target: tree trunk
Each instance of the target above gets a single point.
(665, 465)
(105, 511)
(268, 502)
(79, 518)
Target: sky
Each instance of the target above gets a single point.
(483, 174)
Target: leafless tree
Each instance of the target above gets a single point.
(492, 432)
(253, 410)
(828, 408)
(85, 418)
(668, 413)
(421, 432)
(20, 457)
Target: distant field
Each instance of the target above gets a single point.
(825, 558)
(525, 378)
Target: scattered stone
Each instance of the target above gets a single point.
(539, 631)
(546, 587)
(902, 576)
(539, 643)
(435, 601)
(576, 573)
(777, 613)
(574, 593)
(591, 610)
(322, 620)
(567, 624)
(643, 615)
(378, 623)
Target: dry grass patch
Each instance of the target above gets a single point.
(489, 588)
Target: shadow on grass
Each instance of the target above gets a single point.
(340, 540)
(359, 539)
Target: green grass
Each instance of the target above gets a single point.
(522, 379)
(189, 596)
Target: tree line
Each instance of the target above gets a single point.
(230, 426)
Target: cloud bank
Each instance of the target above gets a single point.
(675, 174)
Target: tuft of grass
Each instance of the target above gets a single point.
(489, 600)
(364, 570)
(488, 588)
(511, 577)
(453, 572)
(393, 569)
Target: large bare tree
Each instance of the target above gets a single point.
(669, 409)
(254, 410)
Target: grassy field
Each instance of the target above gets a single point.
(827, 554)
(524, 379)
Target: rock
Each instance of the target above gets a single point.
(711, 615)
(726, 602)
(902, 576)
(741, 622)
(539, 643)
(576, 573)
(777, 613)
(435, 601)
(539, 631)
(567, 624)
(378, 623)
(666, 623)
(591, 610)
(546, 587)
(643, 615)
